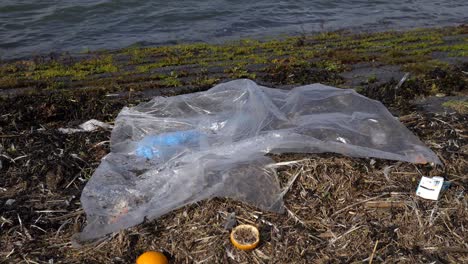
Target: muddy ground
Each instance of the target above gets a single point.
(339, 210)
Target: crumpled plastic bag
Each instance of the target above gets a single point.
(170, 152)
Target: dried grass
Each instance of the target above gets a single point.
(339, 210)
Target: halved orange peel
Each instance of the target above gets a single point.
(245, 237)
(152, 257)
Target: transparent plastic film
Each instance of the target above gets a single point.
(170, 152)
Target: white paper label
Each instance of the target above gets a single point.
(429, 188)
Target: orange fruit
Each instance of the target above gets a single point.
(152, 257)
(245, 237)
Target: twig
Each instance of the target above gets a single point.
(51, 211)
(295, 217)
(73, 180)
(35, 226)
(61, 227)
(11, 159)
(8, 136)
(401, 83)
(358, 203)
(20, 157)
(447, 249)
(373, 252)
(384, 204)
(454, 233)
(101, 143)
(405, 173)
(205, 260)
(416, 212)
(446, 123)
(79, 212)
(7, 157)
(20, 222)
(29, 261)
(347, 232)
(285, 163)
(9, 254)
(290, 183)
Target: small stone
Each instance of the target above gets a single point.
(10, 202)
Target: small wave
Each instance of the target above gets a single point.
(31, 26)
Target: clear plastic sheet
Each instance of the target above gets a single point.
(174, 151)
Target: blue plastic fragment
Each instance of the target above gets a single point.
(151, 146)
(446, 185)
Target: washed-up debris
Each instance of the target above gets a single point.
(10, 202)
(152, 257)
(385, 204)
(403, 79)
(430, 188)
(88, 126)
(230, 221)
(174, 151)
(245, 237)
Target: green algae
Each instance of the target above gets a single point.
(76, 71)
(457, 105)
(424, 66)
(283, 61)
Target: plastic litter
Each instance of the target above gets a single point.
(10, 202)
(231, 221)
(87, 126)
(161, 145)
(174, 151)
(431, 188)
